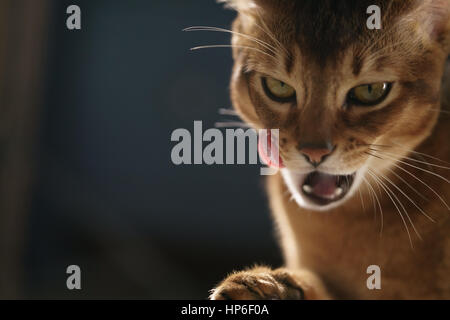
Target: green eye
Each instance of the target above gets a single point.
(278, 90)
(369, 94)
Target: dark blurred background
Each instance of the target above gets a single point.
(86, 174)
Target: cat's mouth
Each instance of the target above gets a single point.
(323, 189)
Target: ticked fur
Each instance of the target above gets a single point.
(397, 216)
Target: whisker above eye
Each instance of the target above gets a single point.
(266, 30)
(230, 124)
(231, 46)
(246, 36)
(385, 48)
(228, 112)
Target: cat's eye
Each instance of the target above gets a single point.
(278, 90)
(369, 94)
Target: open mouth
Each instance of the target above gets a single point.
(323, 189)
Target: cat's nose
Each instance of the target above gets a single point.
(316, 153)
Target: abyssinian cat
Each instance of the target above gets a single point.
(363, 118)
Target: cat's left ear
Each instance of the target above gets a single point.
(433, 17)
(241, 6)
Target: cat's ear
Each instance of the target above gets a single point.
(248, 11)
(241, 6)
(433, 18)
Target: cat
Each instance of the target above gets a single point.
(364, 119)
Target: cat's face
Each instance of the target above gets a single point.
(337, 91)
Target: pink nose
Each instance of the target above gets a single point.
(316, 155)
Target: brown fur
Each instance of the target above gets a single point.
(323, 49)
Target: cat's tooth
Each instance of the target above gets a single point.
(307, 188)
(338, 192)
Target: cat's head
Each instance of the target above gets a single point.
(337, 90)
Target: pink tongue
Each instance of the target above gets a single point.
(323, 185)
(269, 149)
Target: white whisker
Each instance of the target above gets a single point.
(231, 46)
(440, 111)
(378, 201)
(420, 180)
(386, 188)
(401, 204)
(416, 167)
(232, 124)
(408, 184)
(411, 159)
(399, 146)
(360, 195)
(246, 36)
(424, 183)
(406, 196)
(228, 112)
(420, 153)
(267, 32)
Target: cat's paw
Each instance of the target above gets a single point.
(259, 284)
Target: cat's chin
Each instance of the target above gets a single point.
(320, 191)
